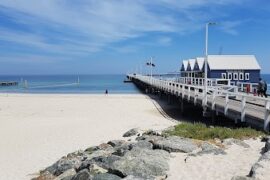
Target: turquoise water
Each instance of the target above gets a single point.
(68, 84)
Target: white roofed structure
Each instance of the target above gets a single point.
(185, 64)
(192, 64)
(200, 62)
(233, 62)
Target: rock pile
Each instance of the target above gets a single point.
(146, 157)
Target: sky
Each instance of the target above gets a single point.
(120, 36)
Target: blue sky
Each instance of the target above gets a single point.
(116, 36)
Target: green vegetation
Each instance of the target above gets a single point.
(202, 132)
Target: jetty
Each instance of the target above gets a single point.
(8, 83)
(220, 99)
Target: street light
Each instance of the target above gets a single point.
(206, 64)
(151, 64)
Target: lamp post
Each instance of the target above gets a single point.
(206, 64)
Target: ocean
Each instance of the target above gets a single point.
(67, 84)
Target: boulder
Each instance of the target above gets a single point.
(153, 133)
(106, 176)
(67, 175)
(143, 163)
(116, 143)
(46, 175)
(64, 164)
(208, 148)
(82, 175)
(175, 144)
(232, 141)
(105, 162)
(143, 144)
(267, 146)
(261, 168)
(131, 132)
(123, 149)
(130, 177)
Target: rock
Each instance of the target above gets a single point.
(238, 142)
(82, 175)
(267, 146)
(64, 164)
(46, 175)
(261, 168)
(104, 146)
(105, 162)
(153, 133)
(143, 144)
(116, 143)
(143, 163)
(130, 177)
(208, 148)
(123, 149)
(175, 144)
(95, 169)
(131, 132)
(241, 178)
(106, 176)
(67, 175)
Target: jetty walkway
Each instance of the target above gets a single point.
(220, 99)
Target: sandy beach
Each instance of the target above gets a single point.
(38, 129)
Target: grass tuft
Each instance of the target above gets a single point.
(201, 132)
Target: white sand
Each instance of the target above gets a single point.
(237, 162)
(36, 130)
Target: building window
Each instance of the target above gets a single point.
(241, 76)
(247, 76)
(235, 76)
(230, 76)
(223, 75)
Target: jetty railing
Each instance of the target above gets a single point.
(226, 96)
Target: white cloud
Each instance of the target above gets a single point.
(86, 26)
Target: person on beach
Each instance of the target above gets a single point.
(106, 91)
(262, 88)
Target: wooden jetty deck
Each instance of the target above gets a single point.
(220, 100)
(8, 83)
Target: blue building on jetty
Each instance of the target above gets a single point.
(236, 68)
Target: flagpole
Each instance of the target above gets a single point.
(151, 70)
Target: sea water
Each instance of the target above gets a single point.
(95, 84)
(81, 84)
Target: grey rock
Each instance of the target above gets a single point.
(175, 144)
(123, 149)
(241, 178)
(143, 144)
(130, 177)
(105, 162)
(142, 163)
(67, 175)
(116, 143)
(82, 175)
(46, 175)
(208, 148)
(152, 132)
(131, 132)
(267, 146)
(262, 167)
(238, 142)
(64, 164)
(106, 176)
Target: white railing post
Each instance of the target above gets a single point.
(267, 115)
(195, 96)
(214, 100)
(188, 93)
(226, 105)
(243, 109)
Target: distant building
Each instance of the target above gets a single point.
(237, 68)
